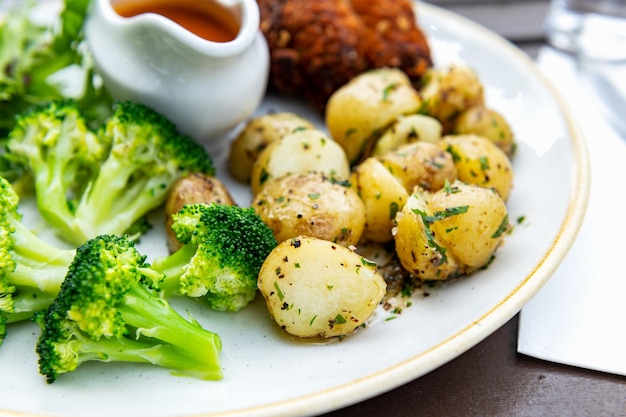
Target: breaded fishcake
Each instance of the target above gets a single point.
(318, 46)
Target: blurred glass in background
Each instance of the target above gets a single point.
(593, 29)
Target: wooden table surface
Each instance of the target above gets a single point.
(492, 379)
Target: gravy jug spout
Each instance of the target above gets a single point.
(202, 63)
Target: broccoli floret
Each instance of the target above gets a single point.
(222, 253)
(109, 309)
(31, 270)
(87, 183)
(52, 141)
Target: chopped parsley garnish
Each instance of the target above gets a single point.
(502, 228)
(367, 262)
(339, 319)
(484, 163)
(393, 210)
(279, 292)
(388, 90)
(430, 238)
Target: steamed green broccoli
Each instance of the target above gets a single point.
(31, 270)
(109, 309)
(34, 57)
(54, 143)
(104, 182)
(222, 253)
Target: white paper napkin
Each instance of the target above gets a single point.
(578, 317)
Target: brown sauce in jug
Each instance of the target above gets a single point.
(196, 19)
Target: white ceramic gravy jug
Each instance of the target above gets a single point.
(205, 87)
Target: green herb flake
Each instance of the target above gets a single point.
(343, 183)
(339, 319)
(279, 292)
(430, 238)
(314, 196)
(455, 155)
(435, 164)
(484, 163)
(394, 207)
(450, 189)
(297, 265)
(312, 320)
(502, 228)
(264, 176)
(450, 211)
(388, 90)
(368, 263)
(407, 290)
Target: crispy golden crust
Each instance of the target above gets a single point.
(317, 46)
(392, 37)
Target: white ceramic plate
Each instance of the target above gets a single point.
(268, 374)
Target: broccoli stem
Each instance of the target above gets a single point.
(195, 351)
(173, 267)
(137, 351)
(29, 249)
(125, 190)
(50, 180)
(28, 302)
(39, 272)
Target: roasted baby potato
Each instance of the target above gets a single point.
(422, 164)
(408, 129)
(359, 112)
(448, 91)
(451, 232)
(195, 188)
(315, 288)
(298, 152)
(311, 204)
(488, 123)
(383, 196)
(256, 135)
(479, 161)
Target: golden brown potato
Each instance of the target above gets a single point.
(299, 152)
(451, 232)
(408, 129)
(448, 91)
(256, 135)
(360, 111)
(422, 164)
(479, 161)
(311, 204)
(314, 288)
(383, 196)
(195, 188)
(488, 123)
(473, 235)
